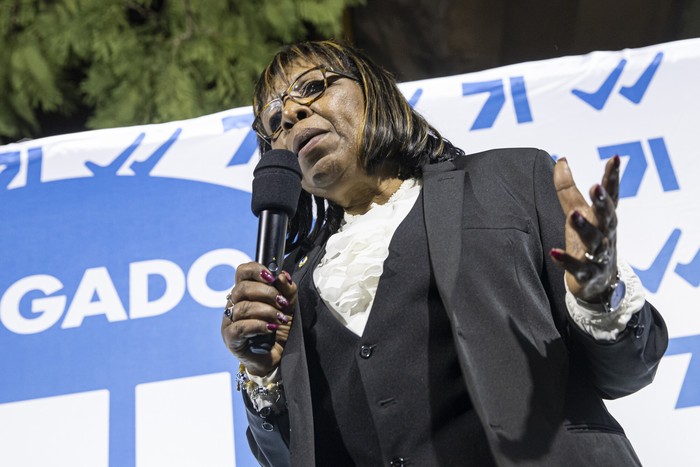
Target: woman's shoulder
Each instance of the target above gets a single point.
(497, 163)
(503, 157)
(512, 167)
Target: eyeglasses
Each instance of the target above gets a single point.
(306, 89)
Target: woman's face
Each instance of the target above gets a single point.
(325, 136)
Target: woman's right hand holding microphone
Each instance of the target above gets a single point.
(258, 304)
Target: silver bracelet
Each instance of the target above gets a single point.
(271, 395)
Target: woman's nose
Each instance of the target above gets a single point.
(293, 112)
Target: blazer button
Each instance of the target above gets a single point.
(366, 351)
(267, 426)
(398, 462)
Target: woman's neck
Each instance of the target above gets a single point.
(378, 193)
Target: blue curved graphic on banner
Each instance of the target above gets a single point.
(69, 259)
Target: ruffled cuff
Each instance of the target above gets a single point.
(607, 326)
(265, 392)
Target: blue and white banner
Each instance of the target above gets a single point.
(117, 248)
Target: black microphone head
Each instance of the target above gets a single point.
(276, 182)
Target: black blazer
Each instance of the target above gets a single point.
(535, 379)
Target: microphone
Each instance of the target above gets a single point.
(276, 190)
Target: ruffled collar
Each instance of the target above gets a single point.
(348, 275)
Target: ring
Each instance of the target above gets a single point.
(228, 311)
(601, 258)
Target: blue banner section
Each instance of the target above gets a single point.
(106, 283)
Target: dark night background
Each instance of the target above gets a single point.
(417, 39)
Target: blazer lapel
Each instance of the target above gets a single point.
(295, 375)
(443, 190)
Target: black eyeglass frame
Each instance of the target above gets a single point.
(257, 123)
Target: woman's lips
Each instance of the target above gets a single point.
(309, 141)
(303, 137)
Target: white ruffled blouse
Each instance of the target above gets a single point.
(348, 274)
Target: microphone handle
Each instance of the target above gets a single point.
(272, 230)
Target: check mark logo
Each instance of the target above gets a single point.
(598, 98)
(634, 93)
(110, 169)
(651, 277)
(139, 167)
(690, 272)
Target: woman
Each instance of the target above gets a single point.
(425, 318)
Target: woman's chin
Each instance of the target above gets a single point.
(322, 185)
(324, 174)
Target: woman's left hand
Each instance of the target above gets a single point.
(590, 257)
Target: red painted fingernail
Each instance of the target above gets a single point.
(282, 301)
(599, 193)
(288, 276)
(556, 254)
(267, 276)
(578, 218)
(616, 161)
(282, 317)
(272, 326)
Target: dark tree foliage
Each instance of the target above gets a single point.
(127, 62)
